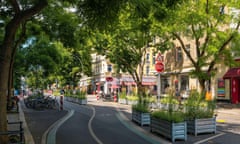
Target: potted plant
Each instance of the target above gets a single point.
(122, 98)
(132, 99)
(169, 102)
(68, 95)
(141, 114)
(170, 124)
(199, 114)
(81, 97)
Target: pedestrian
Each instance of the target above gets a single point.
(62, 92)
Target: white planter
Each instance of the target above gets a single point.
(122, 101)
(132, 102)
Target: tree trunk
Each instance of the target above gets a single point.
(202, 86)
(6, 55)
(10, 85)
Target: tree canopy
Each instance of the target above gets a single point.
(207, 24)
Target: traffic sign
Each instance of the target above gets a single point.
(109, 79)
(159, 67)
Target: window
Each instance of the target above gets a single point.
(153, 60)
(147, 70)
(109, 68)
(188, 50)
(165, 85)
(178, 54)
(184, 83)
(148, 56)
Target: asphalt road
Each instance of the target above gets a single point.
(38, 121)
(100, 123)
(96, 124)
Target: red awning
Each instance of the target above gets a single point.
(114, 86)
(233, 72)
(148, 83)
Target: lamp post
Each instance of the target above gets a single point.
(81, 66)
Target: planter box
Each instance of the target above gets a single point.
(141, 118)
(166, 106)
(132, 102)
(122, 101)
(70, 99)
(168, 129)
(77, 100)
(204, 125)
(82, 101)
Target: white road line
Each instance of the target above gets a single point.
(49, 136)
(90, 127)
(204, 140)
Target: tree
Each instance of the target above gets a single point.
(15, 16)
(41, 59)
(126, 44)
(207, 24)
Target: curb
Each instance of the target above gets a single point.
(27, 134)
(49, 136)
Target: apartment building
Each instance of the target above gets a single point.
(106, 80)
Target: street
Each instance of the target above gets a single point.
(110, 123)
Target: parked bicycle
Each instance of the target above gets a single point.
(41, 102)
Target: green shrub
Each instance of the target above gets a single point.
(151, 99)
(140, 107)
(123, 95)
(80, 94)
(169, 100)
(197, 107)
(132, 98)
(169, 116)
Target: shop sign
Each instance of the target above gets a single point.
(221, 88)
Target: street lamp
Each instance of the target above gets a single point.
(81, 66)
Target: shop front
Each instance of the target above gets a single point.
(233, 74)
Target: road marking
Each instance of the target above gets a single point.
(49, 136)
(124, 120)
(222, 133)
(90, 127)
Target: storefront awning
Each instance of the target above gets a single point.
(233, 72)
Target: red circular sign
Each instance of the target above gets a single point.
(159, 67)
(109, 79)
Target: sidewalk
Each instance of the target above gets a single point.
(16, 117)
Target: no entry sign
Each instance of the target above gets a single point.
(159, 66)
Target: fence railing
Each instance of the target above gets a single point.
(16, 136)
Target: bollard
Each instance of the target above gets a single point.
(61, 102)
(115, 98)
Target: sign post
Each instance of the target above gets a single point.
(159, 67)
